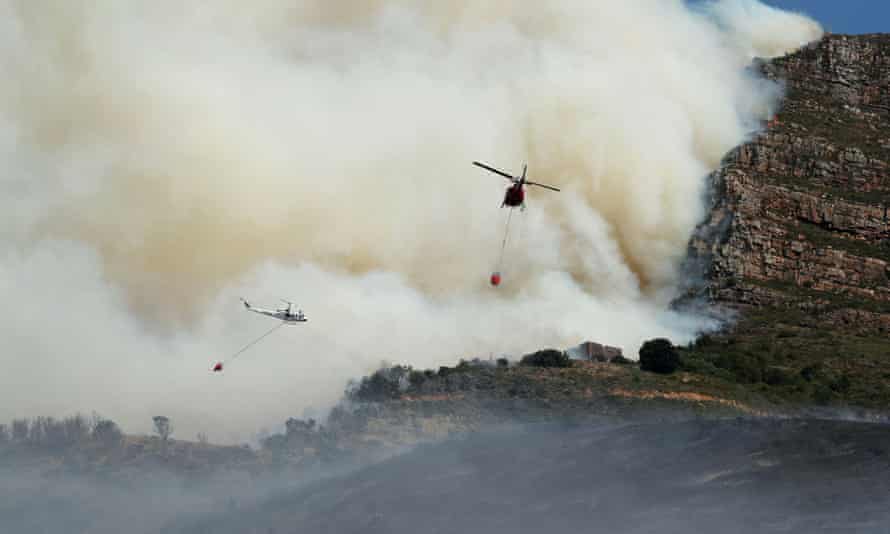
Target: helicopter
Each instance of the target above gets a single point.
(513, 197)
(284, 314)
(515, 194)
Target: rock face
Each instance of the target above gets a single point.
(800, 213)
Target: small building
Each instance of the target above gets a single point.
(594, 352)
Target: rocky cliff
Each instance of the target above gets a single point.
(800, 213)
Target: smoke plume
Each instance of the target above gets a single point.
(158, 160)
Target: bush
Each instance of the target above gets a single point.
(822, 394)
(294, 426)
(621, 360)
(276, 443)
(841, 385)
(503, 362)
(77, 429)
(811, 372)
(777, 376)
(163, 427)
(385, 384)
(19, 430)
(748, 368)
(547, 358)
(416, 379)
(659, 356)
(107, 433)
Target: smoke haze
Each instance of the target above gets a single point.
(159, 160)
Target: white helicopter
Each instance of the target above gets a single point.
(283, 314)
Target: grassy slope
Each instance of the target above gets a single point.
(790, 356)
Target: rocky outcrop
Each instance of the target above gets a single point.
(800, 213)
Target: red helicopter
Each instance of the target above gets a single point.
(515, 194)
(513, 197)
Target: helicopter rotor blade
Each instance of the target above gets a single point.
(543, 185)
(492, 169)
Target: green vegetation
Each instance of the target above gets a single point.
(659, 356)
(822, 238)
(790, 356)
(827, 302)
(842, 127)
(384, 384)
(50, 434)
(547, 358)
(805, 185)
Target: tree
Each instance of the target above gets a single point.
(19, 430)
(294, 426)
(77, 429)
(385, 384)
(106, 432)
(163, 428)
(659, 356)
(547, 358)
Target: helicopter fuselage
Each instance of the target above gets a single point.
(515, 196)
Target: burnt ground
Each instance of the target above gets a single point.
(736, 475)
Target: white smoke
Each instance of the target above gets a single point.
(157, 161)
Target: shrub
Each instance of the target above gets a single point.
(19, 430)
(621, 360)
(294, 426)
(777, 376)
(659, 356)
(107, 433)
(416, 379)
(822, 394)
(811, 372)
(748, 368)
(547, 358)
(276, 443)
(163, 427)
(77, 429)
(385, 384)
(503, 362)
(841, 385)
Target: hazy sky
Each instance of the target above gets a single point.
(849, 16)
